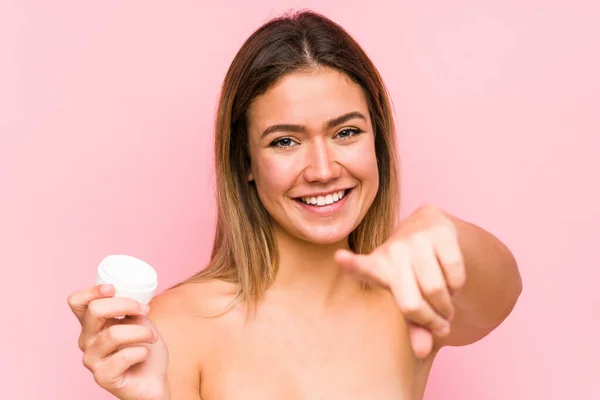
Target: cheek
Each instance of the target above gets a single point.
(361, 162)
(275, 174)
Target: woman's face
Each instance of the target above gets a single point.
(312, 154)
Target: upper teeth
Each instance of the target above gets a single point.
(324, 200)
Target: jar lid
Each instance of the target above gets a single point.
(128, 272)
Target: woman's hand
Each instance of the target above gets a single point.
(422, 266)
(127, 356)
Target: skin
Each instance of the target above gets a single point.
(317, 334)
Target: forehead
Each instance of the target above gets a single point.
(307, 98)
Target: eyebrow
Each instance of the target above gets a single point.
(299, 128)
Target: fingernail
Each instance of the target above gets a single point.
(105, 289)
(443, 331)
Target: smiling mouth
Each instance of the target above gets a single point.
(321, 201)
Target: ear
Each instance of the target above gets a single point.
(250, 177)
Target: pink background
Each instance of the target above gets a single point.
(106, 111)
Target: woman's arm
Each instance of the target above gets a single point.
(493, 285)
(431, 254)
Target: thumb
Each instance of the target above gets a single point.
(421, 340)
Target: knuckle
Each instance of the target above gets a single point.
(412, 308)
(94, 309)
(100, 379)
(457, 284)
(420, 238)
(111, 334)
(81, 344)
(434, 290)
(126, 355)
(440, 322)
(433, 323)
(90, 342)
(87, 362)
(85, 343)
(71, 300)
(424, 319)
(397, 248)
(446, 231)
(119, 382)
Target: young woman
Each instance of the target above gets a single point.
(314, 290)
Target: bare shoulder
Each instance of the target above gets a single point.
(183, 317)
(192, 300)
(183, 314)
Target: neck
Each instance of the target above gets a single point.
(308, 273)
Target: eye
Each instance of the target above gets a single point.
(348, 133)
(284, 142)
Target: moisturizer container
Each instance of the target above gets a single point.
(130, 276)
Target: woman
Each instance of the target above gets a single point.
(314, 290)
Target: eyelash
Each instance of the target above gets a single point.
(354, 131)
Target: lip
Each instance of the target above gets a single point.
(324, 210)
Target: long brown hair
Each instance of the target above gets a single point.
(244, 249)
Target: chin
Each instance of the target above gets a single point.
(326, 240)
(325, 236)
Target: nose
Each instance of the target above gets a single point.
(321, 165)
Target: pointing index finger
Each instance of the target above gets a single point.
(370, 268)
